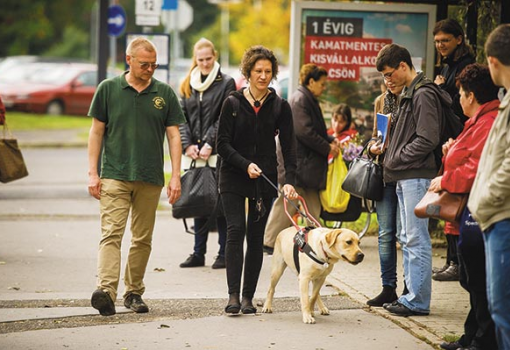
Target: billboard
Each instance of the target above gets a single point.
(345, 38)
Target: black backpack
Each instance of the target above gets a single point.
(452, 125)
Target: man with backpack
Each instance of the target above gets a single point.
(410, 162)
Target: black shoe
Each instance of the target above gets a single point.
(440, 269)
(135, 303)
(193, 261)
(386, 305)
(450, 274)
(471, 347)
(247, 306)
(388, 295)
(219, 263)
(268, 250)
(401, 310)
(102, 301)
(234, 305)
(451, 345)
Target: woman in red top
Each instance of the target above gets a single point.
(478, 98)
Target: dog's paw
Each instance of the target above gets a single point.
(325, 311)
(266, 309)
(308, 319)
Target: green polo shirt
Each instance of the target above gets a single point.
(135, 128)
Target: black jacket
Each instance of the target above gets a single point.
(410, 152)
(450, 71)
(312, 140)
(245, 137)
(202, 112)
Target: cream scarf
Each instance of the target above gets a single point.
(196, 81)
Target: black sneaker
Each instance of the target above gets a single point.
(268, 250)
(452, 273)
(135, 303)
(193, 261)
(219, 263)
(451, 345)
(401, 310)
(102, 301)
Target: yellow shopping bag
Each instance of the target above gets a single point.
(333, 198)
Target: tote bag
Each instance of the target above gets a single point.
(12, 164)
(333, 198)
(199, 193)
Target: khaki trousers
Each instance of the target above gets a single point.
(278, 219)
(117, 199)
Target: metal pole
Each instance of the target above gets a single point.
(102, 41)
(225, 33)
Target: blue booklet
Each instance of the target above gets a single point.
(383, 128)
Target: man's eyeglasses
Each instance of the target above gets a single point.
(146, 65)
(387, 76)
(442, 41)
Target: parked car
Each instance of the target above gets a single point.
(52, 88)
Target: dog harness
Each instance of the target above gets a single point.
(301, 246)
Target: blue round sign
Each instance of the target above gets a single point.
(116, 20)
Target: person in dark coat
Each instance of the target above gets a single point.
(246, 143)
(451, 44)
(202, 94)
(313, 147)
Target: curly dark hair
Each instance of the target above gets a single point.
(476, 78)
(252, 55)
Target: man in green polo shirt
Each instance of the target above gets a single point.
(131, 115)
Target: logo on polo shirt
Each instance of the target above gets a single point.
(159, 102)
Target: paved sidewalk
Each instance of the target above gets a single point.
(450, 303)
(449, 306)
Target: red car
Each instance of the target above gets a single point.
(51, 88)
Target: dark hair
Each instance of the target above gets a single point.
(311, 71)
(345, 111)
(451, 26)
(254, 54)
(476, 78)
(391, 55)
(497, 44)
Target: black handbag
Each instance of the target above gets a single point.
(364, 178)
(199, 193)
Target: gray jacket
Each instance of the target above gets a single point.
(410, 153)
(489, 201)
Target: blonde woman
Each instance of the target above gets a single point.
(202, 94)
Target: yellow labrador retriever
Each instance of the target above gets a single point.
(329, 246)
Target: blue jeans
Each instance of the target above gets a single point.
(497, 263)
(200, 247)
(389, 225)
(416, 246)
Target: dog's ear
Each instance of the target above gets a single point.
(332, 236)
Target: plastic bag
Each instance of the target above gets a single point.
(333, 198)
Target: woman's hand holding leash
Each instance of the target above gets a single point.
(254, 171)
(290, 191)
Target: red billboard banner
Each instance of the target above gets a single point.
(343, 57)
